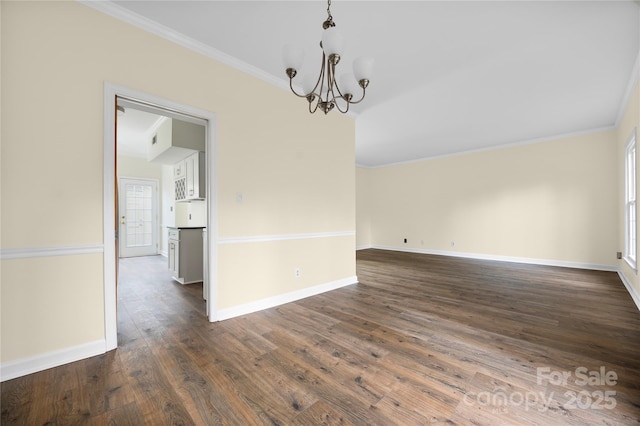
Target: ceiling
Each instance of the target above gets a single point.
(134, 129)
(450, 76)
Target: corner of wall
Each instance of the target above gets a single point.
(274, 301)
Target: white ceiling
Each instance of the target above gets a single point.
(450, 76)
(134, 129)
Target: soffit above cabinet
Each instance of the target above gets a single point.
(174, 141)
(140, 122)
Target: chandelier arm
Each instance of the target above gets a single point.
(340, 94)
(331, 81)
(338, 105)
(347, 101)
(360, 100)
(316, 106)
(320, 82)
(294, 90)
(334, 86)
(337, 88)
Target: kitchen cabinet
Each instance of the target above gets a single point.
(189, 175)
(185, 252)
(174, 252)
(178, 170)
(205, 269)
(195, 171)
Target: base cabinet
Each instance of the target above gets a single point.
(185, 251)
(173, 256)
(205, 279)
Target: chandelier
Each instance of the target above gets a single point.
(324, 92)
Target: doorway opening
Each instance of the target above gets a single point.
(142, 206)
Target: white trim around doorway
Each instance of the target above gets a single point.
(111, 92)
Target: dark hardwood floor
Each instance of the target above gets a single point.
(421, 340)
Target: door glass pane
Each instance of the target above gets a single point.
(139, 215)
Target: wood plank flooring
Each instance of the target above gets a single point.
(420, 340)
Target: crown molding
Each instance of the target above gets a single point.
(493, 148)
(125, 15)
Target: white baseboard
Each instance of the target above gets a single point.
(630, 288)
(22, 367)
(274, 301)
(513, 259)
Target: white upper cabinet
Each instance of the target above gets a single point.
(189, 176)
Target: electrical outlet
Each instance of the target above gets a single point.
(453, 243)
(619, 255)
(297, 272)
(405, 241)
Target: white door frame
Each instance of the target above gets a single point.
(144, 250)
(111, 91)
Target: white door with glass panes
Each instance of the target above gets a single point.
(138, 214)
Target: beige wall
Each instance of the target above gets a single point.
(363, 209)
(554, 200)
(56, 57)
(139, 168)
(294, 187)
(57, 290)
(630, 121)
(274, 263)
